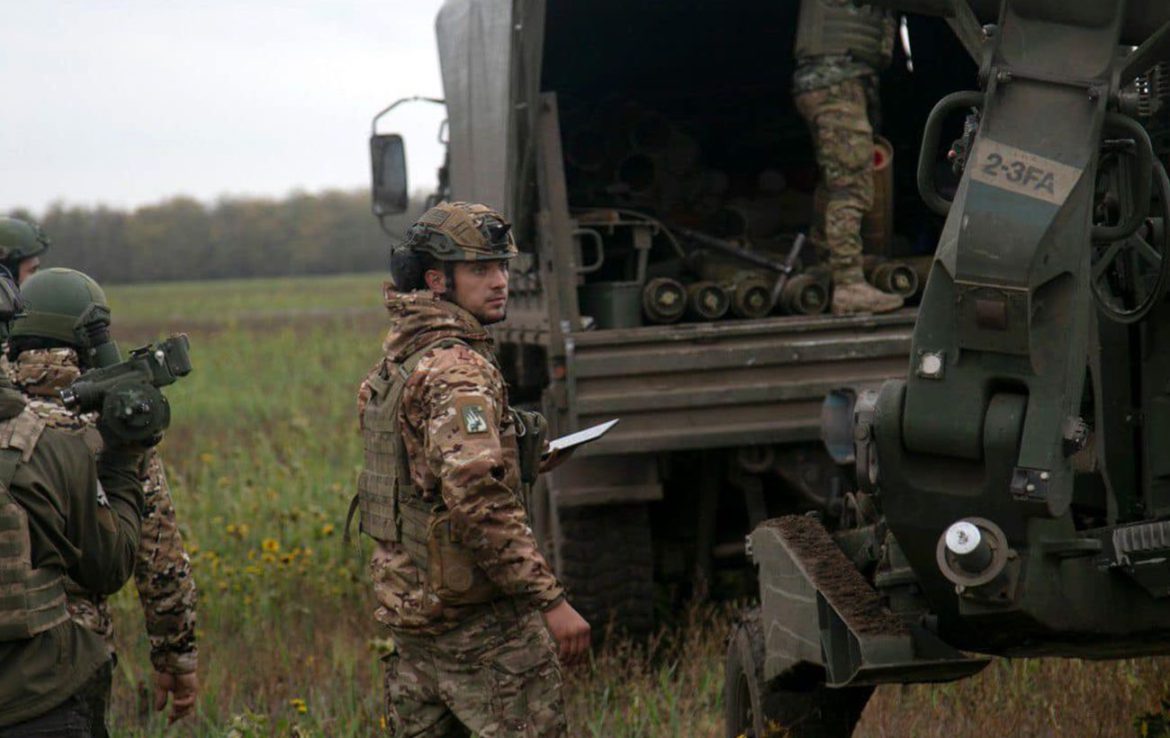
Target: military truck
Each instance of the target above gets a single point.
(1011, 492)
(628, 142)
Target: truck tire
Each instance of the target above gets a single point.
(607, 565)
(755, 708)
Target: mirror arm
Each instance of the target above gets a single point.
(396, 103)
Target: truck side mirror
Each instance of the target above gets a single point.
(388, 157)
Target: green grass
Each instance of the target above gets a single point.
(231, 299)
(262, 458)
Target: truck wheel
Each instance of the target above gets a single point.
(607, 564)
(756, 708)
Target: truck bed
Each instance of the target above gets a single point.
(732, 383)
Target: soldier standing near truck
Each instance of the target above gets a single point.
(461, 584)
(65, 324)
(840, 50)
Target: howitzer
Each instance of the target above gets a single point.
(127, 395)
(1013, 491)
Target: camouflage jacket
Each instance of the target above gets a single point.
(162, 569)
(475, 470)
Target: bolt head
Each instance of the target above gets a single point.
(930, 365)
(962, 538)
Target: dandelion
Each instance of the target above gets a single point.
(239, 530)
(299, 705)
(327, 529)
(270, 545)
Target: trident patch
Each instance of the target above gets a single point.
(472, 415)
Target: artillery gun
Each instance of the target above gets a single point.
(1031, 517)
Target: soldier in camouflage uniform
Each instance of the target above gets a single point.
(59, 516)
(21, 246)
(64, 326)
(476, 614)
(840, 49)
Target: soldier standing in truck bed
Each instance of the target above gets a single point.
(840, 49)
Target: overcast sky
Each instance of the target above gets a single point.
(126, 102)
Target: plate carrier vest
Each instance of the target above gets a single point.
(31, 600)
(823, 29)
(393, 510)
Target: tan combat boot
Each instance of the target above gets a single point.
(863, 297)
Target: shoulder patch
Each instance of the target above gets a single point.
(472, 415)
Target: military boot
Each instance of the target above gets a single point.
(862, 297)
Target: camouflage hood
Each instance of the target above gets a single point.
(45, 371)
(422, 317)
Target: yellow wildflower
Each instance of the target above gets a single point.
(327, 529)
(271, 545)
(299, 705)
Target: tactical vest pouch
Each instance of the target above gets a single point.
(531, 434)
(384, 475)
(31, 600)
(451, 568)
(833, 27)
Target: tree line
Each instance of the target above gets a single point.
(182, 238)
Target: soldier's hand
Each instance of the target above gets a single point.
(570, 631)
(181, 687)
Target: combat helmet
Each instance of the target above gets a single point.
(67, 306)
(461, 231)
(20, 240)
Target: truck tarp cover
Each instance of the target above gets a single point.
(475, 51)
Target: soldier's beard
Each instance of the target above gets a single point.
(484, 320)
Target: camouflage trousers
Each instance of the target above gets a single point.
(843, 138)
(496, 675)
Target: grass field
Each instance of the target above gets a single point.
(262, 457)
